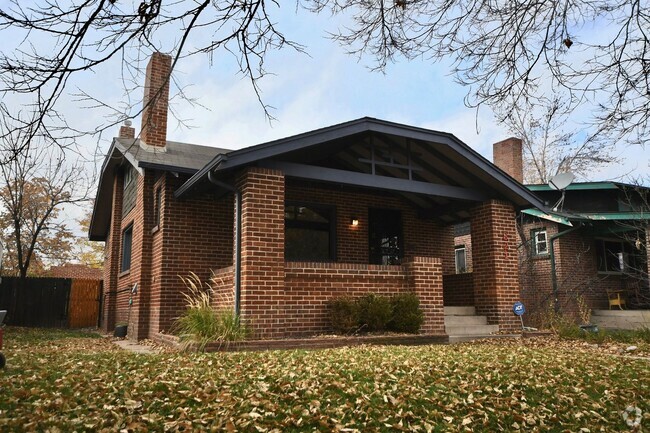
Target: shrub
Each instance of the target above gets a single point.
(200, 323)
(344, 315)
(375, 311)
(407, 314)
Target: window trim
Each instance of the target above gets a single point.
(123, 267)
(458, 248)
(535, 243)
(332, 227)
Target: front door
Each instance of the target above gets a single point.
(385, 237)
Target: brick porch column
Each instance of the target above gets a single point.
(262, 251)
(425, 275)
(495, 263)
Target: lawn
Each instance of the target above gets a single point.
(66, 381)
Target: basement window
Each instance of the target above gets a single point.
(540, 242)
(310, 234)
(127, 240)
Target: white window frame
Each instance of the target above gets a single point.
(535, 233)
(457, 249)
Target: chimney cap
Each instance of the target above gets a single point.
(128, 122)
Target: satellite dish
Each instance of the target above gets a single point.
(561, 180)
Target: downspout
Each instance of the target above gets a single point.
(237, 194)
(552, 257)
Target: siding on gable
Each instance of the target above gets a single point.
(130, 190)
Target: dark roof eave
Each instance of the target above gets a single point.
(252, 154)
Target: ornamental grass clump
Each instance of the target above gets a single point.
(201, 323)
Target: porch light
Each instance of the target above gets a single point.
(354, 222)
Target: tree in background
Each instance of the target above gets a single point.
(88, 252)
(548, 148)
(596, 52)
(36, 182)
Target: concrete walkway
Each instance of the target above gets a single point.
(134, 347)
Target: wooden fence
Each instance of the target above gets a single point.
(50, 302)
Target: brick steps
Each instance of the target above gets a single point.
(621, 319)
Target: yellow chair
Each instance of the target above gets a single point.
(616, 299)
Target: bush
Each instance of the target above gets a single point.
(375, 311)
(344, 315)
(407, 315)
(200, 323)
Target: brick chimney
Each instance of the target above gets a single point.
(156, 102)
(126, 130)
(507, 155)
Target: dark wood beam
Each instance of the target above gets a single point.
(323, 174)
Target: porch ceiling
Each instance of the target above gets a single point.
(435, 171)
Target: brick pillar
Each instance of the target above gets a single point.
(112, 259)
(425, 277)
(142, 248)
(445, 249)
(262, 251)
(495, 263)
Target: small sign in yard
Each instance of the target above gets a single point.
(519, 309)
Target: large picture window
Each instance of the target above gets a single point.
(617, 256)
(310, 234)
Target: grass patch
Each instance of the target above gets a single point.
(573, 331)
(87, 384)
(24, 336)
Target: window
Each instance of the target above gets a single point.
(127, 239)
(461, 259)
(128, 176)
(617, 256)
(309, 233)
(540, 242)
(157, 200)
(385, 239)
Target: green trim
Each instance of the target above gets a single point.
(576, 186)
(550, 217)
(616, 216)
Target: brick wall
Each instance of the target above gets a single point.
(112, 259)
(222, 282)
(495, 262)
(155, 103)
(458, 289)
(309, 286)
(195, 236)
(422, 237)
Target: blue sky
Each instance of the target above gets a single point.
(323, 88)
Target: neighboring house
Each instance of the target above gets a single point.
(364, 206)
(75, 271)
(598, 234)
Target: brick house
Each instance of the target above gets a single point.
(282, 227)
(592, 247)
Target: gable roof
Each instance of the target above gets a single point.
(435, 147)
(177, 157)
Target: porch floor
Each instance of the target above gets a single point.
(621, 319)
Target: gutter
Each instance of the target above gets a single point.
(552, 257)
(237, 194)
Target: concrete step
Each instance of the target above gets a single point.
(460, 311)
(473, 330)
(632, 314)
(465, 320)
(620, 322)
